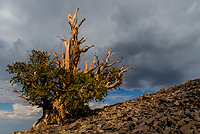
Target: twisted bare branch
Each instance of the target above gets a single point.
(21, 95)
(110, 85)
(81, 23)
(71, 20)
(85, 50)
(59, 62)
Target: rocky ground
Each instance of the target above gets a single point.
(171, 110)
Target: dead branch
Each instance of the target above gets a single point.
(103, 64)
(73, 52)
(59, 61)
(92, 68)
(114, 63)
(110, 85)
(81, 23)
(127, 69)
(81, 40)
(71, 20)
(28, 100)
(62, 39)
(117, 82)
(85, 50)
(86, 68)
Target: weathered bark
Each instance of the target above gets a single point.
(49, 117)
(70, 61)
(21, 95)
(52, 114)
(53, 111)
(73, 55)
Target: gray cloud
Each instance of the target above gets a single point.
(160, 39)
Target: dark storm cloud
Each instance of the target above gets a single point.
(161, 40)
(35, 25)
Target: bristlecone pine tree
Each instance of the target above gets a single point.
(58, 86)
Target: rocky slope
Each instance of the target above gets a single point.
(174, 109)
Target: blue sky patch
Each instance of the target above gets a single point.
(122, 95)
(6, 107)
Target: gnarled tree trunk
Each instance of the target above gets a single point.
(53, 110)
(53, 113)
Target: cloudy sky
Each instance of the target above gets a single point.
(160, 38)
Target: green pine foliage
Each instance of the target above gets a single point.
(59, 87)
(83, 89)
(42, 79)
(37, 76)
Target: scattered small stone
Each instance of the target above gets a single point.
(174, 109)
